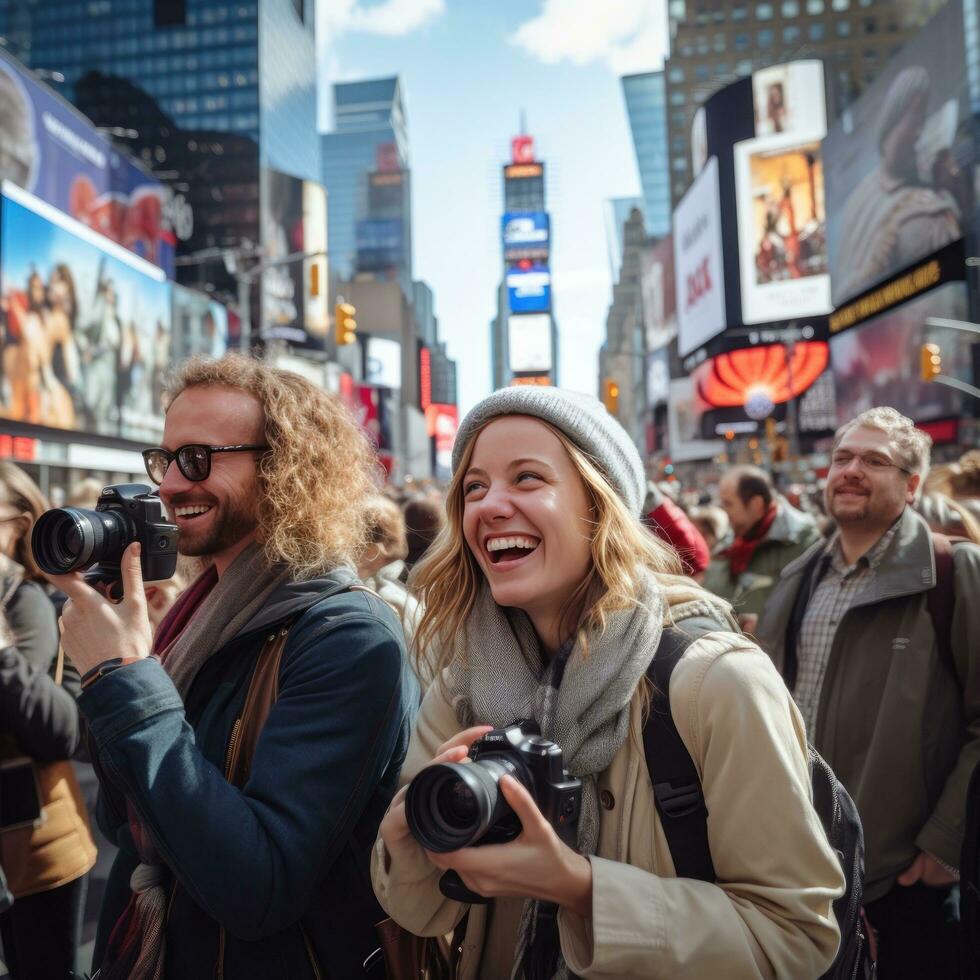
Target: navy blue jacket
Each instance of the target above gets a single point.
(283, 865)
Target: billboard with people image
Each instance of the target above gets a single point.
(85, 325)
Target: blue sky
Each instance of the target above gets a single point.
(468, 68)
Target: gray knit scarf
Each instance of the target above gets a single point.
(239, 594)
(581, 701)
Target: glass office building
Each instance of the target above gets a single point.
(369, 140)
(646, 106)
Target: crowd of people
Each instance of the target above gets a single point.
(256, 724)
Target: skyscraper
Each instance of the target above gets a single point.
(524, 337)
(365, 168)
(716, 41)
(646, 106)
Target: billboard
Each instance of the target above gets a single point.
(684, 411)
(200, 325)
(379, 244)
(526, 234)
(658, 294)
(878, 363)
(780, 197)
(55, 153)
(698, 262)
(529, 288)
(294, 222)
(383, 362)
(900, 161)
(86, 325)
(529, 342)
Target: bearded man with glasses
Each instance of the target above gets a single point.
(876, 634)
(247, 753)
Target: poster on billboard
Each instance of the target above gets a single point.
(529, 342)
(684, 411)
(658, 294)
(383, 362)
(900, 161)
(529, 288)
(525, 234)
(698, 262)
(878, 363)
(379, 244)
(780, 198)
(316, 310)
(200, 325)
(53, 152)
(658, 376)
(86, 325)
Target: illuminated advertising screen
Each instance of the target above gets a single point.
(878, 363)
(383, 363)
(684, 411)
(699, 262)
(659, 294)
(200, 325)
(900, 161)
(525, 234)
(379, 244)
(86, 325)
(55, 153)
(294, 224)
(529, 342)
(780, 197)
(529, 288)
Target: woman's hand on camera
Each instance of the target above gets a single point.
(394, 828)
(93, 629)
(537, 864)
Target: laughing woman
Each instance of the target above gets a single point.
(548, 598)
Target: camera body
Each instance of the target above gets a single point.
(70, 538)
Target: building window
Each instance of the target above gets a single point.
(814, 7)
(816, 32)
(679, 164)
(169, 13)
(686, 50)
(744, 67)
(841, 4)
(790, 8)
(765, 38)
(843, 28)
(677, 98)
(720, 43)
(791, 34)
(678, 118)
(676, 74)
(741, 42)
(740, 13)
(763, 11)
(870, 25)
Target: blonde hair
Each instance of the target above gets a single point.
(448, 579)
(958, 480)
(21, 492)
(317, 472)
(386, 530)
(912, 444)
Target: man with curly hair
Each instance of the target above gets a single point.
(244, 849)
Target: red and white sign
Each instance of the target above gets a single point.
(698, 267)
(522, 149)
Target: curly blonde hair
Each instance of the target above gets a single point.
(447, 580)
(318, 471)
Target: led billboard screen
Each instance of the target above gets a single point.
(900, 162)
(200, 325)
(383, 363)
(525, 234)
(56, 154)
(529, 288)
(86, 325)
(659, 294)
(780, 197)
(529, 342)
(698, 262)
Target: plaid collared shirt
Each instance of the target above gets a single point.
(835, 593)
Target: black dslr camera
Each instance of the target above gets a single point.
(69, 538)
(456, 805)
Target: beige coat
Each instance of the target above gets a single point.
(769, 915)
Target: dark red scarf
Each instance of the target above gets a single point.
(741, 550)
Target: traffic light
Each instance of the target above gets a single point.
(610, 395)
(931, 361)
(343, 316)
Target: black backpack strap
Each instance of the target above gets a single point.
(941, 600)
(813, 571)
(676, 786)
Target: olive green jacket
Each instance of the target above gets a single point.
(792, 532)
(900, 731)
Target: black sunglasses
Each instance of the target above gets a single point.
(193, 460)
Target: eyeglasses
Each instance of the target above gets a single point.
(193, 460)
(867, 461)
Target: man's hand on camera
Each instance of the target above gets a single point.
(93, 629)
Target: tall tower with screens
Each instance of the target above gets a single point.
(524, 333)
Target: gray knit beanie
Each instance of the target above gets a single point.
(582, 418)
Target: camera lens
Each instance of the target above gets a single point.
(70, 538)
(455, 804)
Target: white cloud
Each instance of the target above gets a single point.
(391, 18)
(629, 35)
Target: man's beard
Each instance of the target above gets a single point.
(233, 523)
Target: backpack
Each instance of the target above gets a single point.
(684, 816)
